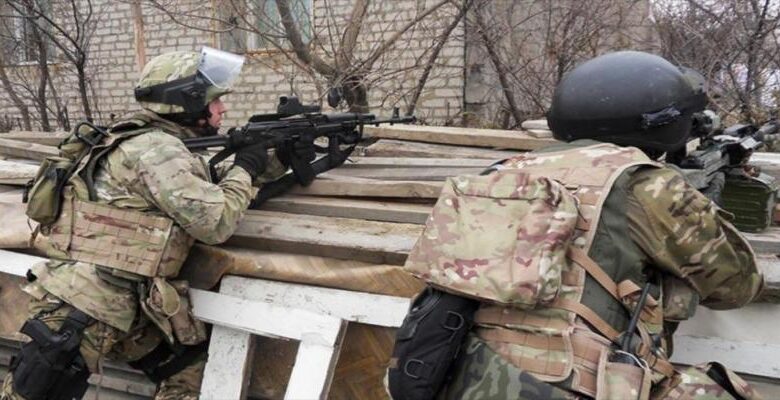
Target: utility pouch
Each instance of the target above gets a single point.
(427, 344)
(501, 237)
(43, 194)
(50, 366)
(188, 330)
(618, 380)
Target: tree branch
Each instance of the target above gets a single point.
(300, 48)
(351, 32)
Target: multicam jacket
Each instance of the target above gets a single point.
(154, 173)
(653, 226)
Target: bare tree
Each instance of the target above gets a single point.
(69, 25)
(333, 50)
(733, 43)
(434, 54)
(521, 49)
(15, 99)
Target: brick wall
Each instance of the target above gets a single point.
(113, 68)
(536, 41)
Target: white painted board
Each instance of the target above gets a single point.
(227, 365)
(367, 308)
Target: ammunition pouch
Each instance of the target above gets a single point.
(189, 330)
(43, 194)
(50, 366)
(427, 344)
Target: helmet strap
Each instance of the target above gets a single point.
(188, 93)
(187, 119)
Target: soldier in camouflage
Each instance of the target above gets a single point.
(639, 223)
(151, 198)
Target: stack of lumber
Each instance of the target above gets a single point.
(352, 229)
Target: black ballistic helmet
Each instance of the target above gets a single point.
(628, 98)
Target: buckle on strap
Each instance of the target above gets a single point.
(414, 361)
(93, 140)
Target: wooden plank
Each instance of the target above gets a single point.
(16, 173)
(12, 195)
(350, 208)
(756, 323)
(32, 151)
(767, 242)
(351, 239)
(406, 162)
(400, 148)
(264, 319)
(334, 185)
(14, 306)
(313, 372)
(315, 362)
(227, 366)
(207, 264)
(407, 174)
(744, 357)
(366, 308)
(37, 137)
(495, 138)
(16, 229)
(540, 124)
(744, 339)
(17, 264)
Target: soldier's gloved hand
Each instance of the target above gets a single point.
(253, 159)
(302, 150)
(714, 190)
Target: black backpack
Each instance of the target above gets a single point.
(427, 343)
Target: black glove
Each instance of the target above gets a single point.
(253, 159)
(301, 149)
(715, 188)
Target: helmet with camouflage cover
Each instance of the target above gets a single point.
(184, 82)
(628, 98)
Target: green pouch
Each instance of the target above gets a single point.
(43, 194)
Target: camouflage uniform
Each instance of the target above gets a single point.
(651, 222)
(156, 174)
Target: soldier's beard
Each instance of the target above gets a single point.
(205, 130)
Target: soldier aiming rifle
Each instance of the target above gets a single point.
(563, 273)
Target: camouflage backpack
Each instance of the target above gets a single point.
(501, 237)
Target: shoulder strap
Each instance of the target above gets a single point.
(97, 153)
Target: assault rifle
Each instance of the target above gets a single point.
(294, 122)
(749, 194)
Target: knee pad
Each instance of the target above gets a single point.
(50, 366)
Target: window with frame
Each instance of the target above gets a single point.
(253, 25)
(19, 44)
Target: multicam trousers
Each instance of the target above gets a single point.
(101, 341)
(481, 374)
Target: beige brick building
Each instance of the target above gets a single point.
(128, 33)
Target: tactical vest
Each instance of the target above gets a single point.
(140, 243)
(567, 341)
(521, 240)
